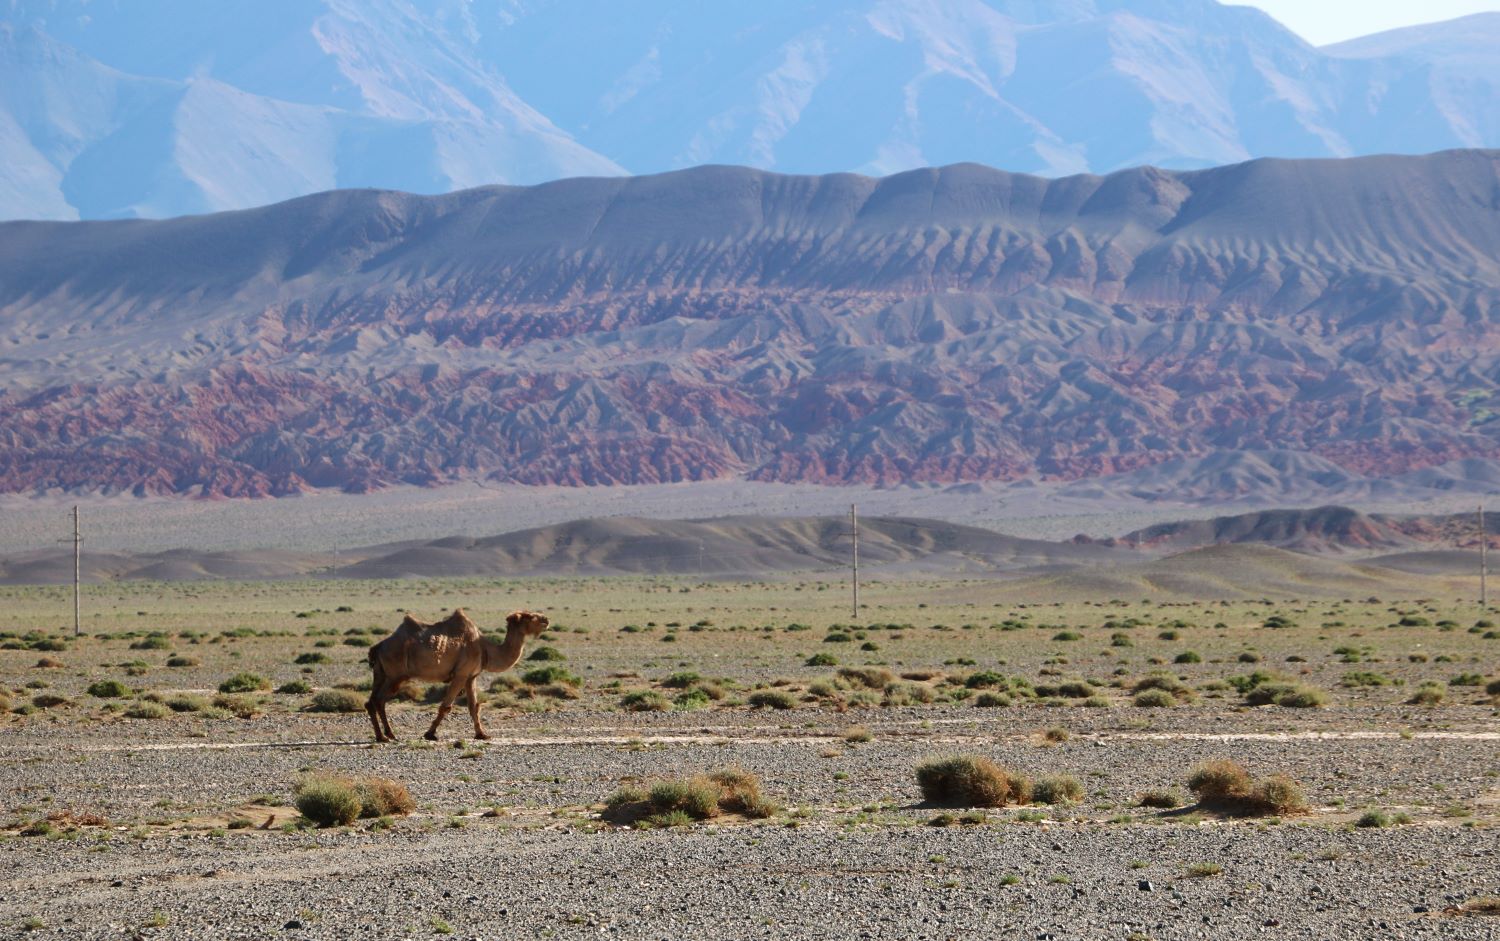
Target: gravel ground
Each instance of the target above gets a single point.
(850, 857)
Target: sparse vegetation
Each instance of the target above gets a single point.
(971, 781)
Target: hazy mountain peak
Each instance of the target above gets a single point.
(433, 97)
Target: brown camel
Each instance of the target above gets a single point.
(451, 651)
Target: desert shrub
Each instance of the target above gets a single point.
(1467, 679)
(146, 709)
(1289, 695)
(739, 793)
(182, 662)
(772, 699)
(1057, 789)
(244, 683)
(542, 676)
(645, 700)
(868, 677)
(822, 660)
(1067, 636)
(1076, 689)
(1220, 781)
(1361, 678)
(1162, 800)
(241, 707)
(1412, 620)
(295, 688)
(546, 653)
(681, 680)
(328, 801)
(698, 797)
(1203, 870)
(186, 703)
(303, 659)
(4, 704)
(1248, 656)
(908, 694)
(986, 679)
(152, 642)
(1188, 656)
(837, 637)
(1166, 683)
(988, 700)
(1154, 699)
(383, 797)
(557, 691)
(694, 698)
(49, 663)
(970, 781)
(50, 700)
(108, 689)
(1428, 694)
(335, 700)
(1373, 819)
(1226, 786)
(856, 734)
(1492, 687)
(1056, 735)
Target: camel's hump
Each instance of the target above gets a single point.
(456, 626)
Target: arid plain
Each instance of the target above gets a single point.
(157, 806)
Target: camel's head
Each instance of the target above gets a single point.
(526, 622)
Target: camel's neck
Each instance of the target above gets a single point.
(503, 656)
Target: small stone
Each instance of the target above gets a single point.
(294, 923)
(1144, 885)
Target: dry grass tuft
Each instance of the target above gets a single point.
(971, 781)
(331, 800)
(1226, 787)
(676, 801)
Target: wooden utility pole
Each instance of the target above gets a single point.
(854, 559)
(1484, 596)
(77, 556)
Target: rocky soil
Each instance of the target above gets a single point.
(849, 856)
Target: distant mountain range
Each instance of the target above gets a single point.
(946, 326)
(162, 107)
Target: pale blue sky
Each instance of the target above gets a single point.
(1324, 21)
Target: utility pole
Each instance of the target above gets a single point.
(854, 559)
(1484, 597)
(77, 556)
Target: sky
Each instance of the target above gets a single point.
(1321, 22)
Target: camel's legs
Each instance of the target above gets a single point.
(455, 686)
(380, 693)
(473, 695)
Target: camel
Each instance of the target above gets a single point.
(451, 651)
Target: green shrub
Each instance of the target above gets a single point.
(185, 702)
(1154, 699)
(988, 700)
(1467, 679)
(335, 700)
(681, 680)
(152, 642)
(868, 677)
(244, 683)
(545, 653)
(691, 699)
(146, 709)
(908, 694)
(304, 659)
(1226, 786)
(698, 797)
(1373, 819)
(108, 689)
(50, 701)
(241, 707)
(1289, 695)
(294, 688)
(646, 700)
(1162, 800)
(772, 699)
(1492, 688)
(542, 676)
(1188, 656)
(1166, 683)
(822, 660)
(1428, 694)
(1058, 789)
(182, 662)
(328, 801)
(986, 679)
(970, 781)
(1220, 782)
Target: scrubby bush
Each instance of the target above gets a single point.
(1226, 786)
(986, 679)
(645, 700)
(146, 709)
(1428, 694)
(304, 659)
(1166, 683)
(182, 662)
(241, 707)
(185, 702)
(50, 700)
(822, 660)
(542, 676)
(546, 653)
(681, 680)
(772, 699)
(1057, 789)
(108, 689)
(1154, 699)
(1162, 800)
(294, 688)
(678, 801)
(1188, 656)
(244, 683)
(908, 694)
(328, 801)
(383, 797)
(336, 700)
(971, 781)
(989, 700)
(868, 677)
(1492, 688)
(1289, 695)
(857, 734)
